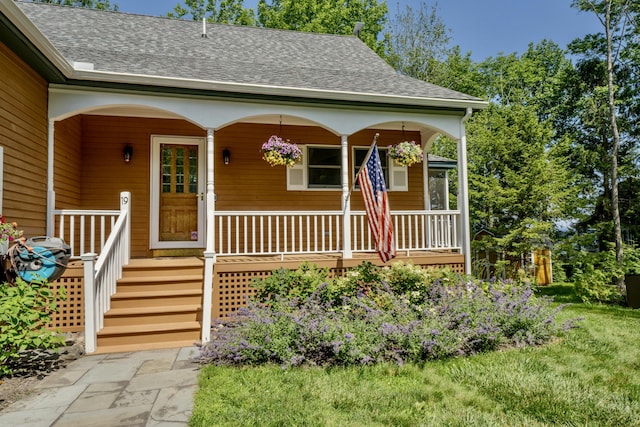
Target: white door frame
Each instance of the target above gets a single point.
(154, 179)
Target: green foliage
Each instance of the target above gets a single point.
(298, 283)
(401, 313)
(326, 16)
(90, 4)
(25, 311)
(221, 11)
(596, 276)
(364, 278)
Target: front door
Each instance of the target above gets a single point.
(177, 192)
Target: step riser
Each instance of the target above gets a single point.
(141, 338)
(155, 302)
(146, 319)
(124, 287)
(160, 271)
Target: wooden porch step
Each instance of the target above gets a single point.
(157, 304)
(159, 298)
(143, 283)
(163, 267)
(119, 336)
(153, 315)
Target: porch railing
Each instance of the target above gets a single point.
(277, 232)
(101, 273)
(86, 231)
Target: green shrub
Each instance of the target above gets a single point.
(298, 283)
(25, 312)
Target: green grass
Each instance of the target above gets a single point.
(589, 377)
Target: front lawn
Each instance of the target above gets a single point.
(589, 376)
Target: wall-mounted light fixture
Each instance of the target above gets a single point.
(127, 153)
(226, 156)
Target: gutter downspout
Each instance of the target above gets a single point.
(463, 193)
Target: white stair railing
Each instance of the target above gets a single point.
(86, 231)
(101, 273)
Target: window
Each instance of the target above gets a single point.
(321, 169)
(324, 167)
(358, 158)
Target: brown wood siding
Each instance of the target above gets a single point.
(105, 174)
(250, 183)
(23, 134)
(247, 183)
(68, 162)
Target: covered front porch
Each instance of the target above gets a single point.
(188, 175)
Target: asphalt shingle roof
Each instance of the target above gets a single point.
(116, 42)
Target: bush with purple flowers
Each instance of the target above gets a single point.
(440, 318)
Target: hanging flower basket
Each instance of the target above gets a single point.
(406, 153)
(278, 152)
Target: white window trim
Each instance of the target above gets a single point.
(300, 171)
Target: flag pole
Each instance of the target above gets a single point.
(355, 178)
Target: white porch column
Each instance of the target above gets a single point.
(425, 172)
(463, 194)
(209, 253)
(211, 198)
(346, 203)
(51, 195)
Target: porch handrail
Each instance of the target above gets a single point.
(72, 227)
(101, 273)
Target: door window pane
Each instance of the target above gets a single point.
(179, 170)
(193, 171)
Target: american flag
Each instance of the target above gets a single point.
(374, 192)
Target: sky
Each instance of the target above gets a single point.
(483, 27)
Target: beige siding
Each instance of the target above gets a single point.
(23, 135)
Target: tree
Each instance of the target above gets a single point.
(618, 18)
(418, 43)
(90, 4)
(520, 186)
(221, 11)
(327, 16)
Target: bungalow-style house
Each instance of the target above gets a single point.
(138, 140)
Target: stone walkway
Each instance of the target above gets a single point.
(144, 388)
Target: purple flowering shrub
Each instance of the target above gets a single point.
(445, 318)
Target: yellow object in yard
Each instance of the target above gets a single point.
(542, 261)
